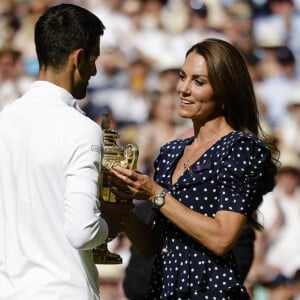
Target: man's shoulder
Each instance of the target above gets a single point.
(79, 122)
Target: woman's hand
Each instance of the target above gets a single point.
(133, 184)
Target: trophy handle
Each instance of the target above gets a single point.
(131, 154)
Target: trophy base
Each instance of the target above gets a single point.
(106, 258)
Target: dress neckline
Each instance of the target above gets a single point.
(189, 141)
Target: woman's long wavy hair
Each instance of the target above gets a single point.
(233, 90)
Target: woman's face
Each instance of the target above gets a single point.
(194, 89)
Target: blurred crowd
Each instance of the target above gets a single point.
(142, 49)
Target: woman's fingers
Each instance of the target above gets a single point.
(134, 181)
(128, 176)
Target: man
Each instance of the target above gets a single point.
(50, 155)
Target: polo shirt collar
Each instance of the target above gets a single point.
(60, 92)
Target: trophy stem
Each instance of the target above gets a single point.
(102, 256)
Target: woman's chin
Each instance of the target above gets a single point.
(183, 114)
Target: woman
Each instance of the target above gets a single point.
(206, 188)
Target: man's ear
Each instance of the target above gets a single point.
(78, 57)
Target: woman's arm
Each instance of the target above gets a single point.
(218, 234)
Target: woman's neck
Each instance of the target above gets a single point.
(217, 128)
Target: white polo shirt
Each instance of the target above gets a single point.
(50, 155)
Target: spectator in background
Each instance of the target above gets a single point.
(238, 26)
(282, 21)
(23, 39)
(277, 258)
(286, 12)
(289, 133)
(130, 106)
(160, 128)
(118, 25)
(199, 28)
(9, 22)
(111, 78)
(153, 13)
(287, 60)
(13, 81)
(143, 42)
(167, 73)
(274, 86)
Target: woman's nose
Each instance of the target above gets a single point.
(183, 87)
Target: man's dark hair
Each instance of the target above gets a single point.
(61, 30)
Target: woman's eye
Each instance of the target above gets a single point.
(181, 76)
(199, 82)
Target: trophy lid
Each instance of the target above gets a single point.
(106, 121)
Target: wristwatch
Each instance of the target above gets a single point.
(159, 200)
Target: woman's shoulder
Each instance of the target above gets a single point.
(236, 137)
(232, 137)
(239, 145)
(177, 143)
(226, 143)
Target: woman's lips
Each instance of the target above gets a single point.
(185, 101)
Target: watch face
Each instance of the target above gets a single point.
(159, 200)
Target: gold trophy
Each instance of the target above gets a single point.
(114, 155)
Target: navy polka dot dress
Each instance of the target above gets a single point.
(224, 178)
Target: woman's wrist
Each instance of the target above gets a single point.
(160, 199)
(157, 189)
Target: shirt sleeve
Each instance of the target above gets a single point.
(84, 226)
(241, 175)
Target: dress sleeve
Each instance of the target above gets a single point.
(241, 175)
